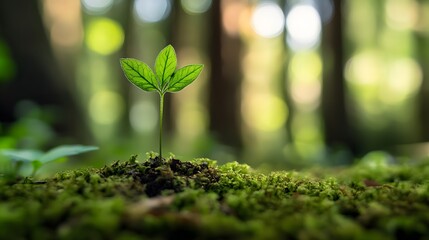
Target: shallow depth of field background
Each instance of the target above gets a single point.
(286, 84)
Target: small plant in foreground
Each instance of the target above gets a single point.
(37, 158)
(166, 79)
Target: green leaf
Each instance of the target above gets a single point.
(165, 65)
(22, 155)
(140, 74)
(36, 165)
(65, 150)
(184, 76)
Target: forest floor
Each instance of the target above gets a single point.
(172, 199)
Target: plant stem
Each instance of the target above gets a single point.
(161, 113)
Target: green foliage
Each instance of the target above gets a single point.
(7, 65)
(166, 79)
(163, 199)
(32, 130)
(38, 158)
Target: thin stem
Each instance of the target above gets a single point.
(161, 113)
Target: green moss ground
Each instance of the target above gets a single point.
(171, 199)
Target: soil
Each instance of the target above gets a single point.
(198, 199)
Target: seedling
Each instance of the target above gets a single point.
(38, 159)
(166, 79)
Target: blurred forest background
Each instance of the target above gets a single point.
(287, 83)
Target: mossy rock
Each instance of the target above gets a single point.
(171, 199)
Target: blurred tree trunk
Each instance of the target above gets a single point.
(38, 76)
(422, 40)
(224, 86)
(423, 47)
(285, 88)
(338, 132)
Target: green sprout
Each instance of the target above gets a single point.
(166, 79)
(38, 158)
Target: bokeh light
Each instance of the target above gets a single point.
(404, 77)
(377, 83)
(104, 36)
(192, 116)
(305, 70)
(401, 14)
(234, 17)
(143, 116)
(268, 20)
(152, 10)
(196, 6)
(264, 112)
(106, 107)
(97, 6)
(365, 68)
(304, 27)
(63, 21)
(306, 65)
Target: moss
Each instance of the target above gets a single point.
(163, 199)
